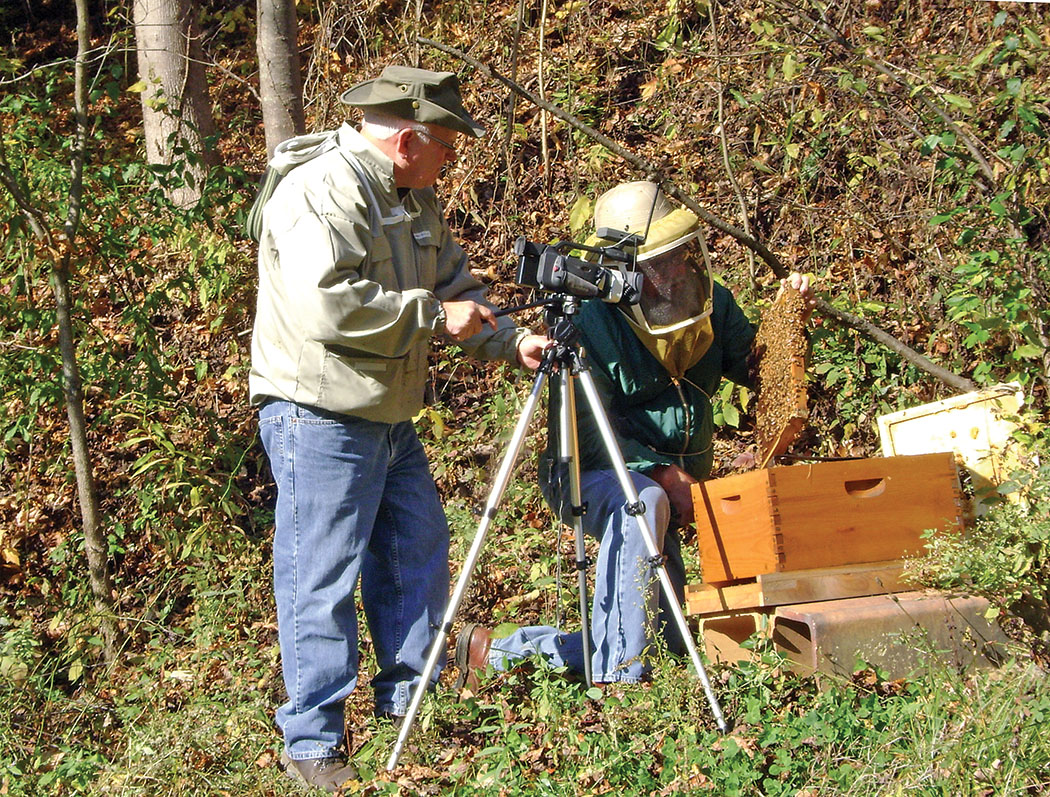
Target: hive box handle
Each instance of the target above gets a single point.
(866, 488)
(731, 504)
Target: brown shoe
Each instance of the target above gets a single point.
(472, 655)
(321, 773)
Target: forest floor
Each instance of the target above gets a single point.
(866, 182)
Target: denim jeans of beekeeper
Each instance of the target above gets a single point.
(628, 604)
(354, 499)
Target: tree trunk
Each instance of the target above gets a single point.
(280, 83)
(176, 109)
(94, 539)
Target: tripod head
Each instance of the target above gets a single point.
(565, 350)
(560, 308)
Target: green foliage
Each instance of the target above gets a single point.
(159, 294)
(183, 478)
(988, 278)
(1005, 557)
(19, 651)
(152, 317)
(998, 300)
(534, 732)
(179, 719)
(999, 289)
(31, 684)
(729, 403)
(861, 379)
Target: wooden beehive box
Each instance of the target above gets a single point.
(828, 514)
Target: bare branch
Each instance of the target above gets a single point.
(724, 143)
(37, 221)
(893, 344)
(654, 173)
(50, 65)
(76, 186)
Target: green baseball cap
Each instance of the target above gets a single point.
(417, 94)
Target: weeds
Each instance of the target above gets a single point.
(1004, 558)
(845, 175)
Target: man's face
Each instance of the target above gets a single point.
(675, 286)
(424, 154)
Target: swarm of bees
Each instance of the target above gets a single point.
(780, 359)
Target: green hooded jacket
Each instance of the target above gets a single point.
(656, 420)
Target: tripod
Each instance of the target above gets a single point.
(565, 353)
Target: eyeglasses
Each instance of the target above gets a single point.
(428, 135)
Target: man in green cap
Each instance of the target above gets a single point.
(655, 365)
(357, 272)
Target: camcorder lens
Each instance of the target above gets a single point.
(546, 267)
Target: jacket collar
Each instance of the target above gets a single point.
(378, 165)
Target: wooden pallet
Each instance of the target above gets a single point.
(799, 586)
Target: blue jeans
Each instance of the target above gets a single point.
(354, 499)
(628, 604)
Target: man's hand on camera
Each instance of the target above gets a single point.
(530, 350)
(464, 319)
(677, 484)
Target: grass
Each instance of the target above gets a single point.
(193, 716)
(189, 710)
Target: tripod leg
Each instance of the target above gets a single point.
(616, 457)
(437, 648)
(569, 454)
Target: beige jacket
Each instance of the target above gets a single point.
(351, 280)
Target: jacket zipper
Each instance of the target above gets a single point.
(688, 419)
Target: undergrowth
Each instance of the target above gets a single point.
(929, 220)
(1004, 558)
(199, 722)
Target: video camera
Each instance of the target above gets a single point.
(550, 267)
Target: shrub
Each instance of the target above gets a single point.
(1005, 557)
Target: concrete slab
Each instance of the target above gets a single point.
(899, 633)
